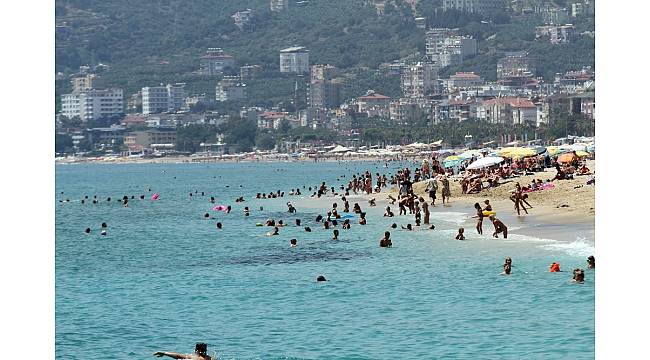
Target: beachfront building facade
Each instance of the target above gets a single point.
(373, 104)
(93, 104)
(445, 47)
(294, 60)
(215, 61)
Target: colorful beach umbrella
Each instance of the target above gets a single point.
(511, 152)
(451, 161)
(566, 158)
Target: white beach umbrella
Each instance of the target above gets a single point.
(485, 162)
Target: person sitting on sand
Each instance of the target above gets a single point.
(200, 353)
(507, 266)
(591, 262)
(461, 234)
(386, 241)
(578, 276)
(499, 227)
(583, 170)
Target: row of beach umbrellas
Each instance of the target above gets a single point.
(566, 153)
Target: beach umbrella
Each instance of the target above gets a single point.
(555, 150)
(468, 154)
(511, 152)
(582, 153)
(451, 161)
(485, 162)
(566, 158)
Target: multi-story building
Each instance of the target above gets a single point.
(93, 104)
(418, 79)
(464, 80)
(404, 110)
(454, 110)
(445, 47)
(242, 18)
(508, 111)
(373, 103)
(155, 99)
(555, 15)
(557, 34)
(475, 6)
(294, 60)
(82, 82)
(279, 5)
(230, 89)
(584, 8)
(151, 137)
(516, 64)
(324, 93)
(215, 61)
(176, 95)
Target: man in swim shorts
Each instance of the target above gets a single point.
(200, 353)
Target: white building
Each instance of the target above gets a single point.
(93, 104)
(445, 47)
(157, 99)
(294, 60)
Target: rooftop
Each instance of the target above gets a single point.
(294, 49)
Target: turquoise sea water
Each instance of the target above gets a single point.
(164, 278)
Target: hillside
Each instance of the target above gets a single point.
(146, 43)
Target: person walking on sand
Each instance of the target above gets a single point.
(200, 353)
(432, 188)
(499, 227)
(446, 193)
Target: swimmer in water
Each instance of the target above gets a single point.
(293, 242)
(219, 226)
(200, 353)
(103, 232)
(578, 276)
(408, 227)
(276, 231)
(207, 216)
(336, 234)
(507, 266)
(87, 231)
(591, 262)
(555, 267)
(104, 225)
(246, 211)
(362, 219)
(298, 222)
(321, 278)
(394, 226)
(460, 235)
(307, 229)
(386, 241)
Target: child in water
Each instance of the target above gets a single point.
(460, 235)
(507, 266)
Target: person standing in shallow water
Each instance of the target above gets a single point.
(507, 266)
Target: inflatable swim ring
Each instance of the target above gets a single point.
(259, 224)
(488, 213)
